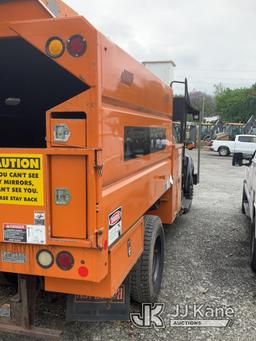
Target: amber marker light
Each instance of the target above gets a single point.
(55, 47)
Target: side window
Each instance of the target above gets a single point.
(245, 139)
(140, 141)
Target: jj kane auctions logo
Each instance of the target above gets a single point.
(187, 315)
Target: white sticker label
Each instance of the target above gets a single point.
(39, 218)
(114, 225)
(36, 234)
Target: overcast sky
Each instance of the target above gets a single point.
(211, 41)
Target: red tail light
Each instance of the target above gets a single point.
(65, 261)
(77, 45)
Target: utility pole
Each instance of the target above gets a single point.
(203, 108)
(201, 116)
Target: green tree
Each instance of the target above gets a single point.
(235, 105)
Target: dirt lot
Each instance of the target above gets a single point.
(207, 262)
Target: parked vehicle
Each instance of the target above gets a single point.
(248, 205)
(245, 144)
(89, 172)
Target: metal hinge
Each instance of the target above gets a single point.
(99, 239)
(98, 161)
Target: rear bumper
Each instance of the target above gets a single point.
(22, 259)
(107, 269)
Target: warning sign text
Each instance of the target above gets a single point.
(21, 179)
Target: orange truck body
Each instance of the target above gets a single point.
(114, 96)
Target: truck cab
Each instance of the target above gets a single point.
(248, 205)
(245, 144)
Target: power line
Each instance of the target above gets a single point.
(225, 78)
(217, 80)
(212, 83)
(213, 70)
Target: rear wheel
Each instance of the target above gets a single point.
(224, 151)
(244, 200)
(147, 274)
(188, 194)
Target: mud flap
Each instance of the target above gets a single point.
(85, 308)
(186, 204)
(195, 179)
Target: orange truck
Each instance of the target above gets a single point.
(89, 172)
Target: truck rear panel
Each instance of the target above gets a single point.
(86, 150)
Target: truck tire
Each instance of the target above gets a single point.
(188, 194)
(253, 249)
(146, 277)
(190, 188)
(224, 151)
(244, 200)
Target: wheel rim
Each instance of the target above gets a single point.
(157, 260)
(223, 152)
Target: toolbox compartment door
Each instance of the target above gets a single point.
(68, 197)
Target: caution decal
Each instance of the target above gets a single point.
(21, 179)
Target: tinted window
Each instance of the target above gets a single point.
(247, 139)
(139, 141)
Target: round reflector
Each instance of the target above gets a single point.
(45, 259)
(55, 47)
(77, 45)
(65, 261)
(83, 271)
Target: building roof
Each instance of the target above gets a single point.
(160, 62)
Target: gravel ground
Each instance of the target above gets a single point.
(207, 262)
